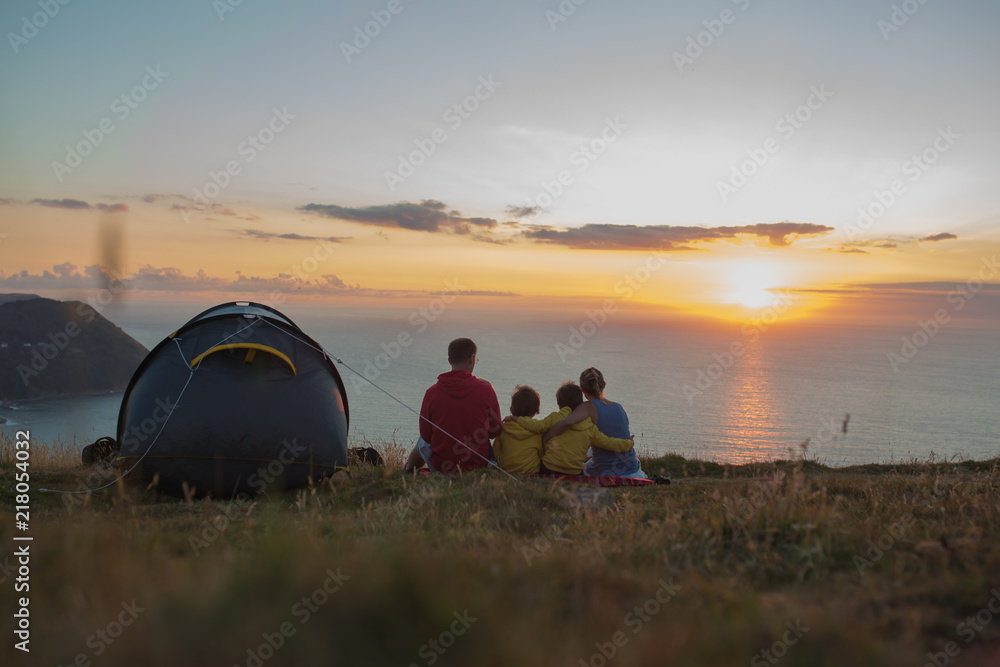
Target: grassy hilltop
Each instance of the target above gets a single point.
(787, 563)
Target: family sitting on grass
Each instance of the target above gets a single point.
(460, 416)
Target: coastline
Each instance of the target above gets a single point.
(13, 403)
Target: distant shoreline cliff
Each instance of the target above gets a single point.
(51, 349)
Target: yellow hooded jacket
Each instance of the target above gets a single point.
(566, 452)
(517, 449)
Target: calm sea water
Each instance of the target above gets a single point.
(789, 385)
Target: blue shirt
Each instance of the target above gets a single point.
(612, 422)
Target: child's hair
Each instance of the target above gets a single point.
(525, 401)
(569, 395)
(592, 382)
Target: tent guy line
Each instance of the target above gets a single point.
(153, 442)
(194, 369)
(167, 419)
(490, 464)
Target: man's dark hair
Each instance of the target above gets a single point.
(569, 395)
(460, 350)
(525, 402)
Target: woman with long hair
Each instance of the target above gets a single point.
(610, 419)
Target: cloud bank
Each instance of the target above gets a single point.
(291, 236)
(668, 237)
(427, 216)
(77, 204)
(67, 276)
(431, 215)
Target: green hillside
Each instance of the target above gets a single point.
(53, 348)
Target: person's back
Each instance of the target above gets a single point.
(566, 453)
(557, 456)
(459, 416)
(517, 449)
(612, 422)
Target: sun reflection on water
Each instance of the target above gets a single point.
(749, 409)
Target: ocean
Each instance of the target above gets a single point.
(710, 391)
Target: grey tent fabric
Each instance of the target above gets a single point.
(237, 401)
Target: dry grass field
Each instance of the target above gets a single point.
(788, 563)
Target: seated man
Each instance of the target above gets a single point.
(458, 418)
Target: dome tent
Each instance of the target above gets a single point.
(238, 400)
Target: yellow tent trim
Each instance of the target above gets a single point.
(245, 346)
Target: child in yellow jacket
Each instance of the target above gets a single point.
(517, 449)
(565, 454)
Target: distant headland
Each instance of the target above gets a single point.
(52, 348)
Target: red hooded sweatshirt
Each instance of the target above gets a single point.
(467, 408)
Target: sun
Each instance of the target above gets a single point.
(752, 283)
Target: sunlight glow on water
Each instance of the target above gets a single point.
(788, 386)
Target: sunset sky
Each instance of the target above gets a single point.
(686, 158)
